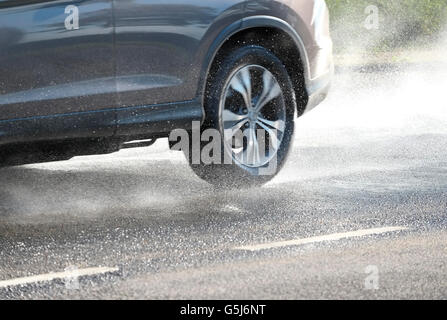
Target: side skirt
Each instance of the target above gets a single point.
(60, 137)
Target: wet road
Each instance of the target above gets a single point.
(373, 156)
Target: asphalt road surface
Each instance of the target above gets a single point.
(359, 211)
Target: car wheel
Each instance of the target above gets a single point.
(251, 104)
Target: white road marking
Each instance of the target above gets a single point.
(329, 237)
(57, 275)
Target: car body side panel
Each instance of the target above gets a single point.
(160, 45)
(47, 69)
(89, 124)
(54, 78)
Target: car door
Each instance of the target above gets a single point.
(155, 45)
(56, 58)
(160, 48)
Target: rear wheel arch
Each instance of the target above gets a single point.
(268, 32)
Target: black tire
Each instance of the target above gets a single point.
(238, 175)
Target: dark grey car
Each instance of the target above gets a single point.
(93, 76)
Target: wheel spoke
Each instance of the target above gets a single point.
(251, 153)
(229, 116)
(236, 122)
(257, 156)
(277, 125)
(272, 134)
(270, 90)
(232, 131)
(242, 84)
(249, 150)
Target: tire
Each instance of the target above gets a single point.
(225, 104)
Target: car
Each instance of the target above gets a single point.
(95, 76)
